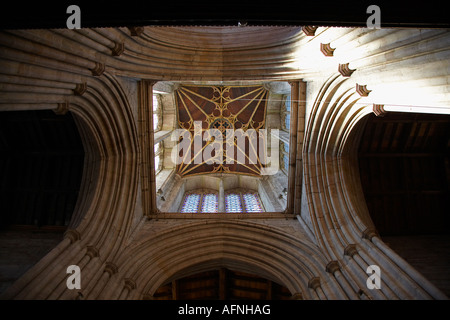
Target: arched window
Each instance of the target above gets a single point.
(210, 203)
(191, 203)
(200, 201)
(233, 202)
(207, 201)
(242, 201)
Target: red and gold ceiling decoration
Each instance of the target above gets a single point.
(210, 114)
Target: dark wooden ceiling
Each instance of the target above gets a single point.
(220, 285)
(41, 164)
(222, 107)
(405, 171)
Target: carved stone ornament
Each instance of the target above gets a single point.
(332, 267)
(369, 234)
(111, 268)
(350, 250)
(62, 108)
(72, 235)
(362, 90)
(118, 49)
(92, 252)
(309, 30)
(326, 49)
(98, 69)
(314, 283)
(136, 31)
(80, 88)
(378, 109)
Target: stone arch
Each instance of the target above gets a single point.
(241, 245)
(105, 121)
(336, 203)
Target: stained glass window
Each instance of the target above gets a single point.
(191, 202)
(251, 203)
(233, 203)
(210, 203)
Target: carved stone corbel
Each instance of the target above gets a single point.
(80, 89)
(118, 49)
(309, 30)
(111, 268)
(98, 69)
(72, 234)
(378, 109)
(326, 49)
(314, 283)
(344, 70)
(362, 90)
(62, 108)
(369, 234)
(332, 267)
(136, 31)
(350, 250)
(92, 252)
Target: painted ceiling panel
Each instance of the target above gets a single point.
(207, 112)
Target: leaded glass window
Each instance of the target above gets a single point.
(233, 203)
(242, 201)
(207, 201)
(251, 202)
(210, 203)
(286, 162)
(287, 123)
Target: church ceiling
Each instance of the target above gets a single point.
(223, 127)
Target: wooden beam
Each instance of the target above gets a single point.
(269, 295)
(223, 284)
(175, 293)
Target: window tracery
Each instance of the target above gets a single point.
(207, 201)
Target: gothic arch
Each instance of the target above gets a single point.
(241, 245)
(337, 207)
(109, 135)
